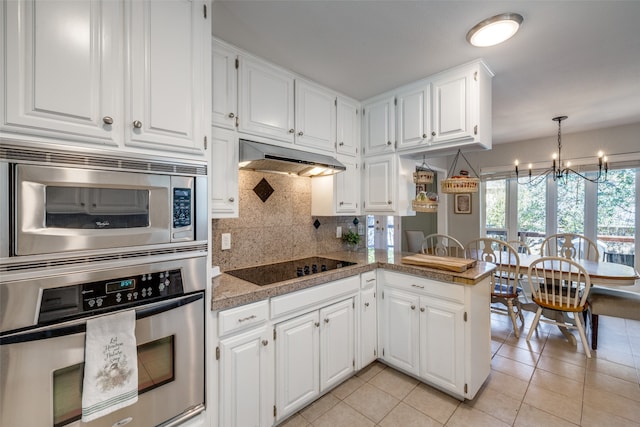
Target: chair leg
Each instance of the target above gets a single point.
(534, 324)
(512, 315)
(583, 337)
(520, 315)
(594, 331)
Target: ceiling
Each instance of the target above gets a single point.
(575, 58)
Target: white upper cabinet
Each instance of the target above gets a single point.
(223, 175)
(62, 62)
(337, 194)
(348, 127)
(315, 116)
(379, 182)
(452, 119)
(266, 100)
(224, 77)
(107, 73)
(164, 90)
(379, 126)
(414, 117)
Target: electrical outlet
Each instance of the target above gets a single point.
(226, 241)
(361, 229)
(338, 232)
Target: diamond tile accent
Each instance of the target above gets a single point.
(316, 224)
(263, 190)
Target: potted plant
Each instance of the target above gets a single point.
(352, 239)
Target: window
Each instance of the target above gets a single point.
(496, 211)
(531, 211)
(570, 211)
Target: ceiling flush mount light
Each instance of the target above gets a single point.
(560, 170)
(494, 30)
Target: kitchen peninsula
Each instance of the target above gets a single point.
(283, 345)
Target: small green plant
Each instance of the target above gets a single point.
(351, 237)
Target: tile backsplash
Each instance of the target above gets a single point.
(279, 229)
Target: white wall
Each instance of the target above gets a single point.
(616, 140)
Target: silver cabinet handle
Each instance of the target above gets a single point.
(107, 120)
(231, 115)
(341, 144)
(292, 130)
(231, 199)
(317, 324)
(413, 307)
(326, 320)
(417, 286)
(366, 304)
(137, 124)
(300, 133)
(370, 280)
(244, 319)
(388, 142)
(422, 309)
(265, 342)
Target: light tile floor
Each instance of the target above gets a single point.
(546, 382)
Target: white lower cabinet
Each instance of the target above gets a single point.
(314, 352)
(368, 320)
(437, 331)
(246, 379)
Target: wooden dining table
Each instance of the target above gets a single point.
(601, 273)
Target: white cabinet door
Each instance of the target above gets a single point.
(379, 126)
(223, 173)
(266, 100)
(337, 346)
(368, 326)
(414, 117)
(224, 77)
(401, 330)
(379, 183)
(442, 349)
(348, 186)
(451, 107)
(348, 127)
(297, 363)
(62, 62)
(164, 83)
(246, 379)
(315, 116)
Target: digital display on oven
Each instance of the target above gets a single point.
(181, 207)
(121, 285)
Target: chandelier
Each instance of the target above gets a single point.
(560, 170)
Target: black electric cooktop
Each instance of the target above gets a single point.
(281, 271)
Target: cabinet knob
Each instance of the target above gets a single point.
(265, 342)
(341, 144)
(231, 115)
(300, 133)
(292, 130)
(433, 133)
(366, 304)
(422, 309)
(413, 307)
(231, 199)
(424, 135)
(107, 120)
(317, 324)
(388, 202)
(326, 320)
(137, 124)
(341, 203)
(388, 142)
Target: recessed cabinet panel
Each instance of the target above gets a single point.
(315, 117)
(336, 343)
(379, 126)
(224, 173)
(224, 77)
(348, 127)
(451, 108)
(401, 330)
(414, 117)
(60, 82)
(379, 173)
(368, 325)
(347, 186)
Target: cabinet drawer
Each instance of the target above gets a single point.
(368, 280)
(423, 286)
(238, 318)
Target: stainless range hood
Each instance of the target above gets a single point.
(261, 157)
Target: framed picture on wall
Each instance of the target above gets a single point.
(462, 203)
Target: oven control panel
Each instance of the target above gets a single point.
(85, 298)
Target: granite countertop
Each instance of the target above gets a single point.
(229, 291)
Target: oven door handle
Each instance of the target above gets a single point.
(81, 326)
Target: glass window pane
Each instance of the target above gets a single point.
(571, 204)
(532, 204)
(616, 216)
(496, 209)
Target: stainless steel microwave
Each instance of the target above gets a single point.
(62, 203)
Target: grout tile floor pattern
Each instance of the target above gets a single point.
(544, 382)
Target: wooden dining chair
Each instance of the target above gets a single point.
(504, 282)
(414, 240)
(442, 245)
(562, 285)
(570, 245)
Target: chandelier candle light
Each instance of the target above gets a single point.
(559, 170)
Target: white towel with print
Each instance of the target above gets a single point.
(110, 365)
